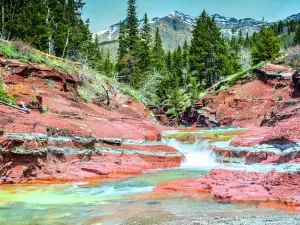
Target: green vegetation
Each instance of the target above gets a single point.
(143, 69)
(266, 46)
(7, 51)
(216, 137)
(210, 56)
(181, 136)
(233, 79)
(50, 84)
(44, 109)
(296, 40)
(5, 97)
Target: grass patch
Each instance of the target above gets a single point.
(233, 79)
(178, 135)
(7, 51)
(216, 136)
(51, 84)
(5, 97)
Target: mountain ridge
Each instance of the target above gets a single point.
(176, 27)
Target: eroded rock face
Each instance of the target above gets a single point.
(44, 90)
(296, 84)
(64, 138)
(264, 154)
(40, 158)
(232, 185)
(269, 107)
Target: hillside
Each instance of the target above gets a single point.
(59, 127)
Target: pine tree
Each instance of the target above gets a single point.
(30, 26)
(186, 63)
(208, 52)
(132, 26)
(169, 62)
(296, 40)
(128, 67)
(91, 54)
(177, 101)
(108, 66)
(266, 46)
(280, 27)
(122, 50)
(158, 52)
(145, 50)
(177, 65)
(247, 42)
(241, 38)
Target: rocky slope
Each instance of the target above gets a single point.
(64, 138)
(263, 163)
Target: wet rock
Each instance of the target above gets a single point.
(94, 171)
(235, 185)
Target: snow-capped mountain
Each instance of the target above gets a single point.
(293, 17)
(176, 27)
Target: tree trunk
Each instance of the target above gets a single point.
(12, 18)
(2, 28)
(49, 38)
(66, 44)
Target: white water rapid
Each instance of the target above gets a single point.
(197, 155)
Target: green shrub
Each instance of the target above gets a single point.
(44, 109)
(5, 97)
(51, 84)
(35, 58)
(24, 60)
(7, 51)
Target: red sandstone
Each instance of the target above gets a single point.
(239, 186)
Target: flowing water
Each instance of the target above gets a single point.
(128, 201)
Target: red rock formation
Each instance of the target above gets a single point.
(59, 151)
(270, 109)
(231, 185)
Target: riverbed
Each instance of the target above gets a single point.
(132, 200)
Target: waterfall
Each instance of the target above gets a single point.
(197, 155)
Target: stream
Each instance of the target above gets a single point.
(131, 200)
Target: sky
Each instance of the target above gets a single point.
(103, 13)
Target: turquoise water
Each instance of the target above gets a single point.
(127, 201)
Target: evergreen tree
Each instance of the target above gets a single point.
(132, 26)
(145, 50)
(177, 65)
(30, 26)
(297, 36)
(53, 26)
(241, 38)
(185, 55)
(169, 63)
(91, 54)
(128, 67)
(158, 52)
(247, 42)
(122, 52)
(108, 66)
(280, 27)
(208, 52)
(186, 63)
(177, 101)
(266, 46)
